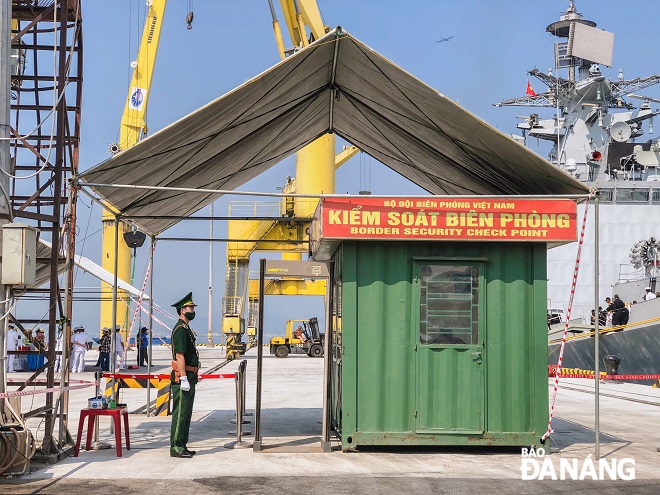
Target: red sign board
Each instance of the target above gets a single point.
(445, 218)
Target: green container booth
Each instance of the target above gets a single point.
(436, 342)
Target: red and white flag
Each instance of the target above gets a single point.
(530, 91)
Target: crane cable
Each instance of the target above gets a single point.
(140, 20)
(576, 271)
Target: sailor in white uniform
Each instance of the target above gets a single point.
(78, 349)
(649, 295)
(58, 348)
(120, 361)
(12, 343)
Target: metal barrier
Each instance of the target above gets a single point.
(242, 368)
(240, 408)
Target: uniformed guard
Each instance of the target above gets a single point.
(185, 365)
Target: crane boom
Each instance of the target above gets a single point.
(298, 16)
(311, 15)
(134, 120)
(315, 174)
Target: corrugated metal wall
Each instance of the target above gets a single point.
(378, 375)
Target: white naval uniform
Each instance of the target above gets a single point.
(79, 347)
(58, 347)
(119, 352)
(12, 342)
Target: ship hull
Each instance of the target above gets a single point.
(621, 225)
(638, 348)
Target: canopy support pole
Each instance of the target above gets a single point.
(256, 445)
(596, 329)
(209, 342)
(327, 360)
(113, 331)
(152, 246)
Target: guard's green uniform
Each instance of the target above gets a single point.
(183, 341)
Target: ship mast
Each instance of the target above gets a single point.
(565, 28)
(595, 126)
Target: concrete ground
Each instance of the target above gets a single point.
(291, 427)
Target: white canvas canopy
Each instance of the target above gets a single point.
(336, 84)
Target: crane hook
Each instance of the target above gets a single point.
(189, 19)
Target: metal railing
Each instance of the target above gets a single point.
(255, 208)
(239, 443)
(232, 305)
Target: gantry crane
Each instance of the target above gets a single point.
(315, 174)
(133, 128)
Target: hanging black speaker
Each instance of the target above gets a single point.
(134, 238)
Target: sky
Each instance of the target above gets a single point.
(494, 44)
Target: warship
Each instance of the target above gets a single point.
(595, 132)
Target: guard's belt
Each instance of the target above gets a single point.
(194, 369)
(177, 376)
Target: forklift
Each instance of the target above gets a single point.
(235, 348)
(310, 343)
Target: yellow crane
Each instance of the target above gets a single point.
(315, 174)
(133, 128)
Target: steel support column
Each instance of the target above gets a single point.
(49, 444)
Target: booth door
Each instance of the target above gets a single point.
(449, 347)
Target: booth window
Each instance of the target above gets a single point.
(449, 304)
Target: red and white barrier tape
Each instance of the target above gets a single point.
(612, 377)
(43, 380)
(138, 304)
(139, 300)
(164, 325)
(576, 271)
(164, 377)
(20, 393)
(165, 313)
(158, 336)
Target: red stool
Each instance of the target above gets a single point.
(90, 414)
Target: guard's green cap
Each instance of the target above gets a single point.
(187, 300)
